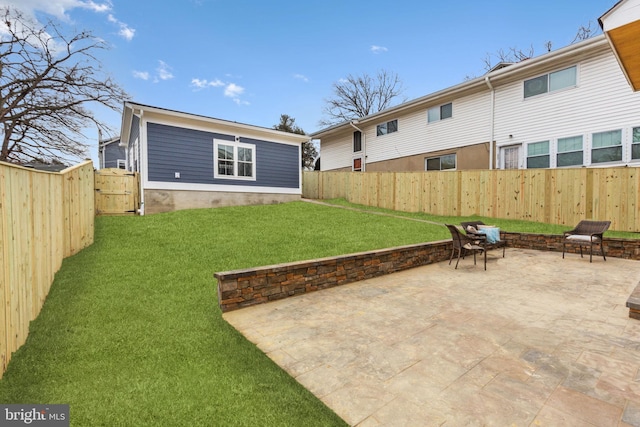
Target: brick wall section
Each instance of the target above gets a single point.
(243, 288)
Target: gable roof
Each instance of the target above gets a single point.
(131, 108)
(496, 76)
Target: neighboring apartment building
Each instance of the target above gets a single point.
(569, 108)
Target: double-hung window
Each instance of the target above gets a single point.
(234, 160)
(551, 82)
(441, 112)
(570, 151)
(635, 144)
(606, 147)
(388, 127)
(538, 155)
(441, 163)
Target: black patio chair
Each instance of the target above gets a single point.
(586, 233)
(463, 244)
(482, 237)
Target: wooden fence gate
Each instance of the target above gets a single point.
(117, 192)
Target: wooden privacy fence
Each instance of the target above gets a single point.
(555, 196)
(44, 217)
(117, 192)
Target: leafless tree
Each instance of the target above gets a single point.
(586, 32)
(48, 82)
(511, 55)
(359, 96)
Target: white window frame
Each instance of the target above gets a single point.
(548, 77)
(434, 114)
(621, 146)
(235, 145)
(559, 153)
(121, 164)
(635, 130)
(385, 126)
(455, 162)
(534, 156)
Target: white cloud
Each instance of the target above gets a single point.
(233, 90)
(301, 77)
(164, 71)
(125, 31)
(57, 8)
(61, 8)
(204, 83)
(378, 49)
(143, 75)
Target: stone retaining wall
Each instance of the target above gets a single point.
(243, 288)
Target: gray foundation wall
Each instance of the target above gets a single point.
(157, 201)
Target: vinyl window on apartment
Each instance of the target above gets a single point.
(440, 163)
(538, 155)
(570, 151)
(234, 160)
(551, 82)
(635, 144)
(606, 147)
(388, 127)
(357, 141)
(440, 113)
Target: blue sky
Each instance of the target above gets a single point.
(251, 61)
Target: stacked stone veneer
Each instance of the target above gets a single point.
(243, 288)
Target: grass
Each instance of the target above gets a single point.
(131, 333)
(517, 226)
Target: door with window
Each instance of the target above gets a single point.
(510, 157)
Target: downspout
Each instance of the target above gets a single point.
(140, 163)
(493, 103)
(364, 146)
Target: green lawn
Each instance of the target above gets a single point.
(131, 333)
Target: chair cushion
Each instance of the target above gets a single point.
(582, 238)
(492, 233)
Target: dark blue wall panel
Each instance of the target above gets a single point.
(173, 149)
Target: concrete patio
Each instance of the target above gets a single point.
(534, 340)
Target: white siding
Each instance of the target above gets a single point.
(470, 124)
(602, 101)
(336, 153)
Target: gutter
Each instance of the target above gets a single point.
(364, 146)
(487, 80)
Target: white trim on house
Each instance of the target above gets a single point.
(154, 185)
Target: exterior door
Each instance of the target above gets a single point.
(510, 157)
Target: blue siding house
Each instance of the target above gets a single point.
(189, 161)
(111, 154)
